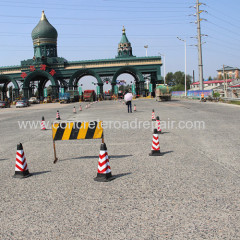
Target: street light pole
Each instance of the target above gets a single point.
(146, 46)
(185, 64)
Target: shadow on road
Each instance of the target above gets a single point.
(163, 153)
(3, 159)
(39, 173)
(121, 175)
(164, 133)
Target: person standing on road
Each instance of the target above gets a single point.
(128, 99)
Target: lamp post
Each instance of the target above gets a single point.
(146, 46)
(164, 66)
(185, 63)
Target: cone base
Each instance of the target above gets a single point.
(153, 119)
(104, 177)
(159, 132)
(58, 118)
(24, 174)
(155, 153)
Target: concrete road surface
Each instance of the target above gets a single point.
(192, 191)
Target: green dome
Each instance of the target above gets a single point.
(44, 29)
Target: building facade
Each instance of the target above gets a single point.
(46, 65)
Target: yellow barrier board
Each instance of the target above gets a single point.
(77, 130)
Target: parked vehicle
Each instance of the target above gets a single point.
(21, 103)
(74, 95)
(4, 104)
(47, 100)
(107, 96)
(64, 98)
(163, 92)
(33, 100)
(89, 96)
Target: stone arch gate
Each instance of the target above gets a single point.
(66, 74)
(4, 81)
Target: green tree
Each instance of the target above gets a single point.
(170, 79)
(178, 79)
(49, 90)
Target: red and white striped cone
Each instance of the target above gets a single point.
(74, 109)
(43, 127)
(134, 108)
(104, 171)
(21, 168)
(58, 116)
(153, 115)
(155, 150)
(86, 106)
(159, 130)
(80, 108)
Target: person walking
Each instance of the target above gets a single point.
(128, 99)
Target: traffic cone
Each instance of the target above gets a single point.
(159, 130)
(153, 115)
(80, 108)
(134, 108)
(104, 171)
(21, 168)
(43, 124)
(155, 151)
(58, 116)
(86, 106)
(74, 109)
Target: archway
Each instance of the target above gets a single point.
(5, 81)
(73, 82)
(41, 77)
(138, 78)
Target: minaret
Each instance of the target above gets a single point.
(124, 47)
(44, 37)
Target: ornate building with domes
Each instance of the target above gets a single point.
(46, 65)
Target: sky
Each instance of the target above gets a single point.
(92, 30)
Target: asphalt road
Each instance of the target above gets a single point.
(192, 191)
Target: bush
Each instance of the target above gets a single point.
(216, 94)
(178, 87)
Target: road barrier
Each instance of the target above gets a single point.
(153, 115)
(155, 150)
(43, 127)
(76, 131)
(58, 116)
(159, 130)
(21, 167)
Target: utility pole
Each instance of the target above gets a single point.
(224, 78)
(200, 63)
(185, 43)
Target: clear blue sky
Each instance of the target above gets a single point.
(92, 30)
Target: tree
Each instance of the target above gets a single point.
(49, 90)
(178, 79)
(169, 79)
(209, 78)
